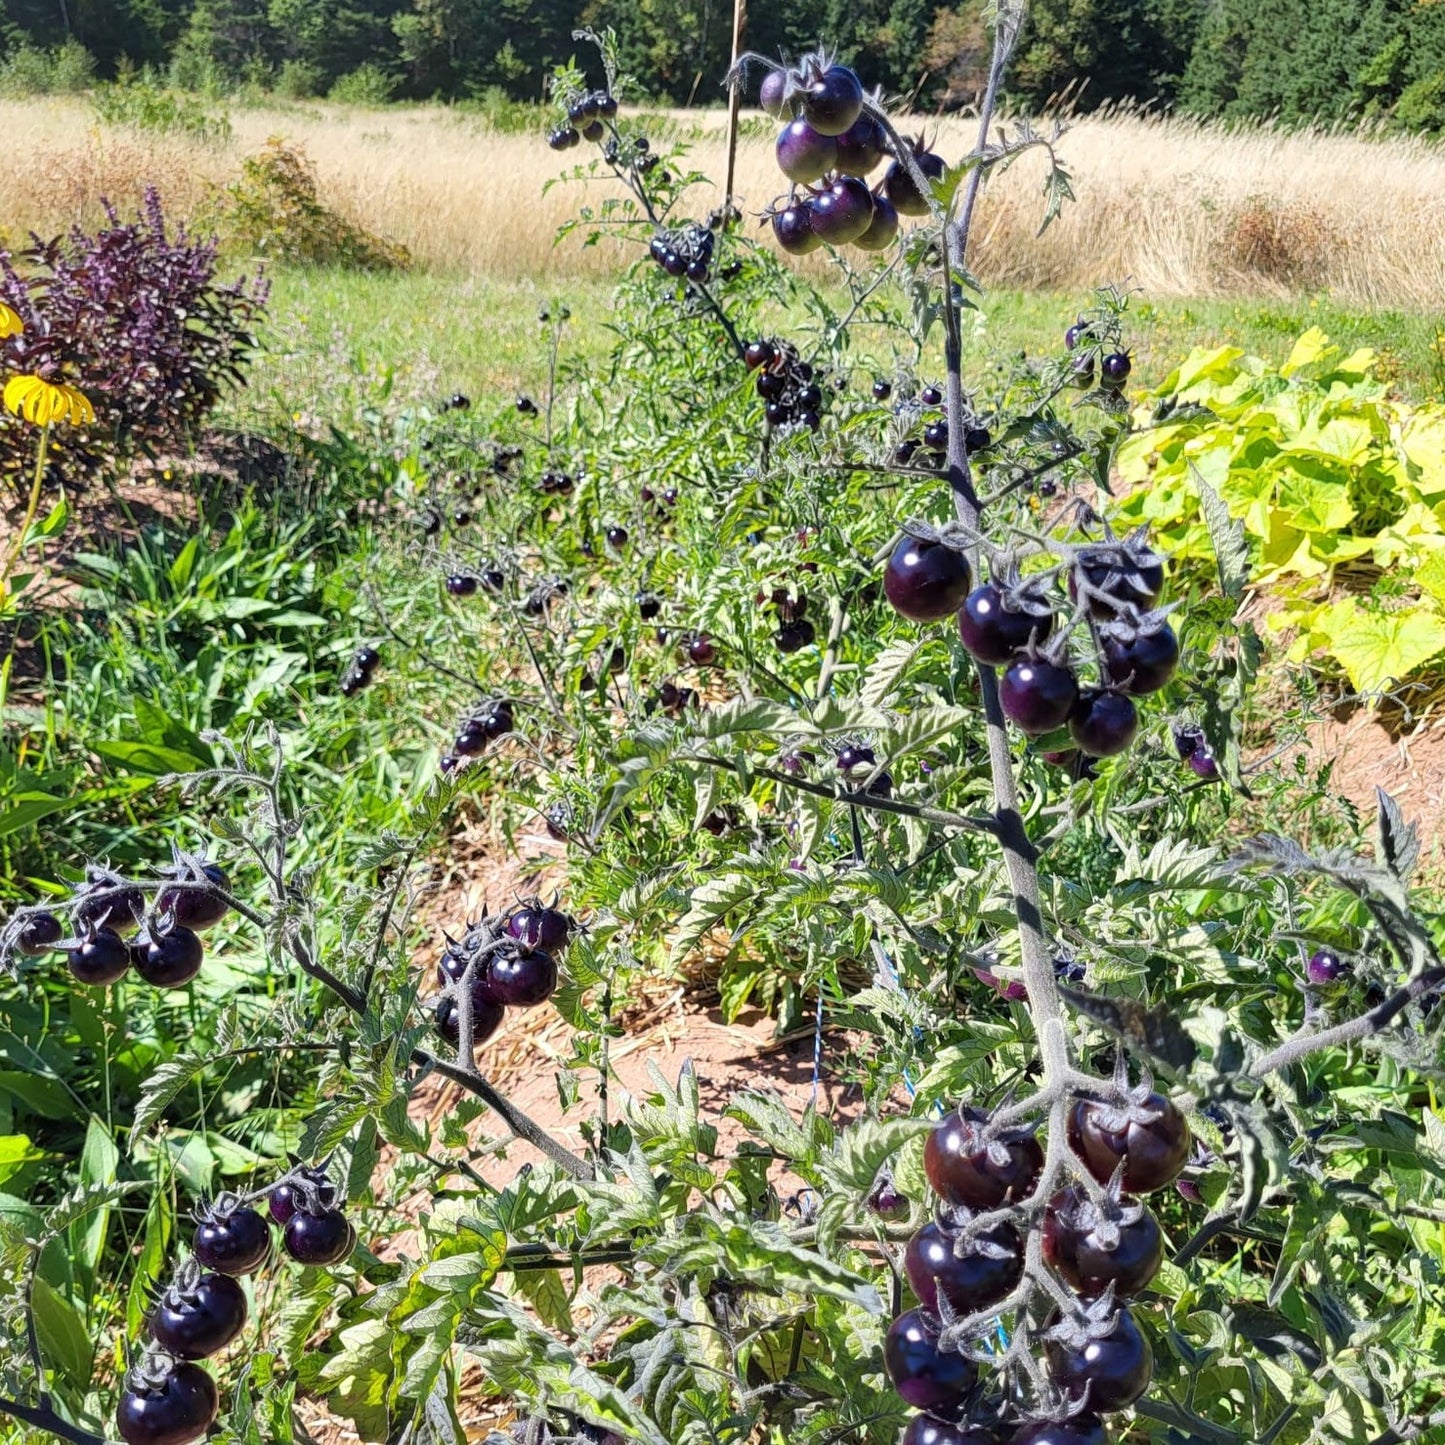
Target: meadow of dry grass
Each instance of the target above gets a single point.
(1181, 209)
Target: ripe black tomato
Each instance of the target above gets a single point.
(117, 908)
(39, 934)
(648, 606)
(1151, 1139)
(1083, 1429)
(546, 928)
(794, 636)
(935, 436)
(287, 1199)
(898, 185)
(966, 1170)
(487, 1014)
(968, 1281)
(804, 153)
(1324, 966)
(461, 584)
(235, 1243)
(992, 631)
(1115, 1369)
(1103, 724)
(843, 212)
(926, 581)
(700, 650)
(833, 102)
(1038, 695)
(323, 1238)
(169, 961)
(861, 146)
(882, 390)
(102, 958)
(1144, 663)
(793, 230)
(197, 908)
(524, 978)
(1073, 1248)
(931, 396)
(203, 1320)
(927, 1430)
(925, 1376)
(758, 353)
(1114, 369)
(855, 755)
(175, 1412)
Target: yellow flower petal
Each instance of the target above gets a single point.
(43, 403)
(10, 323)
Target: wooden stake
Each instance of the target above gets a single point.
(735, 100)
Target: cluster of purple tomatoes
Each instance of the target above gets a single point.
(166, 950)
(505, 962)
(1098, 1359)
(585, 117)
(786, 384)
(829, 143)
(168, 1398)
(928, 578)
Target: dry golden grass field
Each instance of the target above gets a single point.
(1178, 208)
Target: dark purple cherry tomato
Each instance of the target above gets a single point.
(861, 146)
(804, 154)
(39, 934)
(201, 1321)
(319, 1239)
(523, 979)
(832, 102)
(1151, 1138)
(197, 908)
(176, 1411)
(992, 631)
(1324, 966)
(898, 185)
(1038, 695)
(983, 1274)
(927, 1378)
(546, 928)
(1103, 724)
(1084, 1429)
(1115, 1369)
(966, 1169)
(235, 1243)
(287, 1199)
(102, 958)
(169, 960)
(926, 581)
(793, 230)
(928, 1430)
(700, 650)
(488, 1013)
(1144, 663)
(1074, 1249)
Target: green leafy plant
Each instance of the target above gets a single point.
(1335, 485)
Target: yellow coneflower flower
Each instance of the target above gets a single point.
(10, 323)
(46, 402)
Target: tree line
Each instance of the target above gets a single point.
(1295, 59)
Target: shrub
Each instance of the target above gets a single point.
(274, 209)
(299, 80)
(29, 70)
(136, 319)
(143, 105)
(368, 84)
(1336, 487)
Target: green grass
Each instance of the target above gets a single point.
(342, 342)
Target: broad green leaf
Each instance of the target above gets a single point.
(65, 1343)
(1381, 649)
